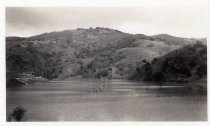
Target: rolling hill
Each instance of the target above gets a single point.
(84, 52)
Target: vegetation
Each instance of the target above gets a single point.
(18, 114)
(86, 52)
(13, 82)
(22, 59)
(101, 85)
(186, 63)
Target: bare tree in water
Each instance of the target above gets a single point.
(102, 77)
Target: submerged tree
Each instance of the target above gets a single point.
(102, 77)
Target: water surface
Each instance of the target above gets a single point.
(73, 100)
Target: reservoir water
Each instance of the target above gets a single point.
(74, 100)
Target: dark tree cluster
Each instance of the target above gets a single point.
(178, 65)
(28, 59)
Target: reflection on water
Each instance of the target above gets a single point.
(121, 101)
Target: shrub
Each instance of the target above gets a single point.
(18, 114)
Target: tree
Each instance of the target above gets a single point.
(102, 73)
(201, 70)
(18, 114)
(147, 71)
(158, 76)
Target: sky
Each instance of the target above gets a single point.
(189, 21)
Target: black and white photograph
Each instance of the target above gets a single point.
(106, 63)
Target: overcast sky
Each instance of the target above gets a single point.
(177, 21)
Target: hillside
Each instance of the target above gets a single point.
(183, 64)
(178, 40)
(84, 52)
